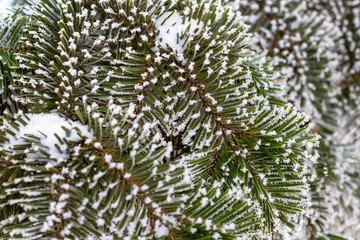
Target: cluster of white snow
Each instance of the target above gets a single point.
(44, 127)
(5, 6)
(175, 31)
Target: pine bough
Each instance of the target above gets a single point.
(148, 119)
(316, 45)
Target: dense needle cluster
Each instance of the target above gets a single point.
(170, 127)
(300, 42)
(316, 46)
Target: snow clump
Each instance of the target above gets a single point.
(171, 27)
(43, 127)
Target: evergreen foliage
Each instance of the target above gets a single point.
(184, 139)
(300, 42)
(10, 29)
(344, 169)
(316, 44)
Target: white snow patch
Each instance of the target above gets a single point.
(161, 231)
(44, 126)
(171, 27)
(5, 7)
